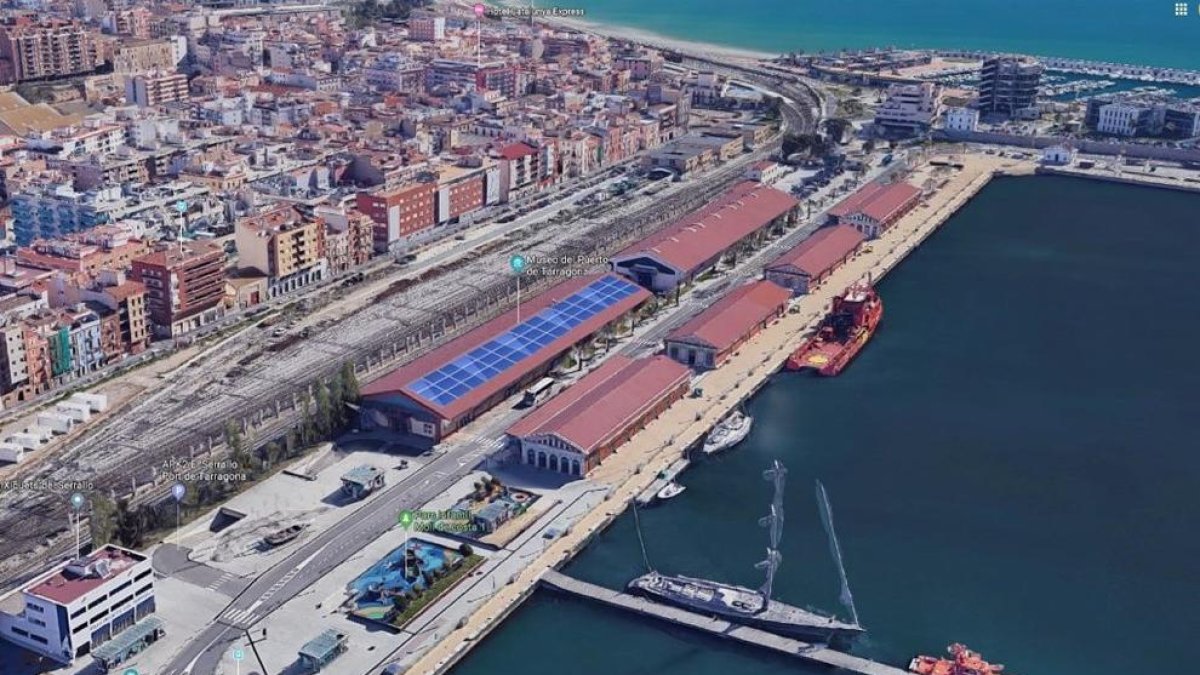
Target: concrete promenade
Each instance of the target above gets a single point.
(636, 464)
(1185, 180)
(715, 627)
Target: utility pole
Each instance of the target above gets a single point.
(254, 648)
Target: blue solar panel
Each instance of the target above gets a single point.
(453, 380)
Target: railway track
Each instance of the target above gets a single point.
(122, 456)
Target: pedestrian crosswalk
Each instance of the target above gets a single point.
(239, 618)
(218, 582)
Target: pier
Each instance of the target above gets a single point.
(718, 628)
(638, 462)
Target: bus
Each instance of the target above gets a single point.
(540, 391)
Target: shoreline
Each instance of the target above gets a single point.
(628, 33)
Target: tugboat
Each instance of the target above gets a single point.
(285, 535)
(842, 335)
(963, 661)
(728, 433)
(670, 490)
(752, 607)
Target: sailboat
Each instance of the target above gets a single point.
(756, 607)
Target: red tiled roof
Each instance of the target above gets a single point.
(126, 290)
(701, 235)
(397, 382)
(516, 151)
(602, 405)
(64, 588)
(877, 201)
(821, 251)
(734, 316)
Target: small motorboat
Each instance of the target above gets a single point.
(285, 535)
(670, 490)
(728, 433)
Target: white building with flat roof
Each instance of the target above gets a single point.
(80, 605)
(960, 119)
(910, 107)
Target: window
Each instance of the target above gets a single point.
(35, 608)
(147, 572)
(20, 631)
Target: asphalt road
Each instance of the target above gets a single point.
(313, 558)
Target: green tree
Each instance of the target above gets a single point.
(350, 393)
(308, 426)
(237, 447)
(130, 525)
(102, 523)
(324, 410)
(272, 453)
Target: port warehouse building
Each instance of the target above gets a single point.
(100, 605)
(808, 263)
(580, 427)
(440, 392)
(711, 337)
(874, 207)
(695, 243)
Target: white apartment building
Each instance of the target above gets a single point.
(910, 107)
(960, 119)
(78, 607)
(1121, 119)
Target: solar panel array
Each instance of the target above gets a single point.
(462, 375)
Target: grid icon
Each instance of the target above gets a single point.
(1181, 9)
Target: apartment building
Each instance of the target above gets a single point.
(142, 55)
(35, 49)
(155, 88)
(285, 245)
(185, 284)
(909, 108)
(1008, 85)
(427, 28)
(399, 212)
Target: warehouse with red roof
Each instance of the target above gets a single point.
(438, 393)
(580, 427)
(813, 259)
(695, 243)
(875, 206)
(709, 339)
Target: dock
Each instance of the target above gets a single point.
(656, 447)
(720, 628)
(650, 494)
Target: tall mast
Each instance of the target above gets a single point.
(776, 475)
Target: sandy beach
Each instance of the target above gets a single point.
(616, 32)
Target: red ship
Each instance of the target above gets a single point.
(852, 321)
(963, 661)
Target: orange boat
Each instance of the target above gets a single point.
(852, 321)
(962, 661)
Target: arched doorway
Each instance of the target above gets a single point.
(554, 462)
(575, 468)
(541, 460)
(530, 457)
